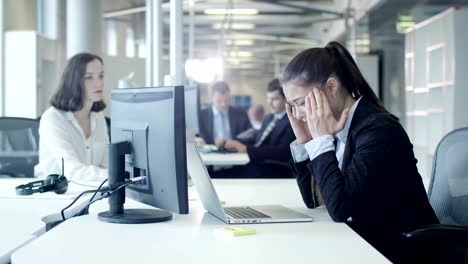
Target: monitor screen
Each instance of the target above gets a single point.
(192, 108)
(152, 121)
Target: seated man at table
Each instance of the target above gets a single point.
(269, 153)
(221, 121)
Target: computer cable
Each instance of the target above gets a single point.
(81, 184)
(62, 212)
(110, 192)
(86, 208)
(107, 192)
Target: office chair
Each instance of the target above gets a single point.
(19, 145)
(108, 124)
(448, 195)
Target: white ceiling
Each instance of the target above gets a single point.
(281, 28)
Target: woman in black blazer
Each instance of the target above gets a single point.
(350, 153)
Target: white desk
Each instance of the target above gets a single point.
(190, 238)
(20, 220)
(225, 159)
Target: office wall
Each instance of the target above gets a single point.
(245, 85)
(369, 67)
(21, 15)
(115, 68)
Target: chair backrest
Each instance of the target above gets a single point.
(108, 124)
(448, 189)
(19, 146)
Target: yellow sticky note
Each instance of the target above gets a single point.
(235, 231)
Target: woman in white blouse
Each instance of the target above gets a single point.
(74, 127)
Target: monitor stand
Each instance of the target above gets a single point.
(117, 213)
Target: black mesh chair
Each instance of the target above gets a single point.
(108, 124)
(448, 195)
(19, 145)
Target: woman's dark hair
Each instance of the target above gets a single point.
(69, 95)
(275, 85)
(316, 65)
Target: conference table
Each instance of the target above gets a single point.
(186, 238)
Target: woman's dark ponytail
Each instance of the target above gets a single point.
(350, 73)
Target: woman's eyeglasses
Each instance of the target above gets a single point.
(299, 102)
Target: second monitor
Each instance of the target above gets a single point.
(148, 139)
(192, 108)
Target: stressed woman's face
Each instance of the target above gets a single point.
(295, 96)
(94, 81)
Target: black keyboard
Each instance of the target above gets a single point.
(244, 213)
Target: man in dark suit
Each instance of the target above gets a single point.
(221, 121)
(269, 151)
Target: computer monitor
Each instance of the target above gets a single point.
(148, 139)
(192, 108)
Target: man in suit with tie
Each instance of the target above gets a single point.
(269, 153)
(221, 121)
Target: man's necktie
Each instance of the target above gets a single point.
(224, 127)
(266, 132)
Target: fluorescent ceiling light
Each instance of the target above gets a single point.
(231, 11)
(240, 42)
(233, 61)
(234, 26)
(358, 42)
(243, 54)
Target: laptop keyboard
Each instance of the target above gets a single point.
(244, 213)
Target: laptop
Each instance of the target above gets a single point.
(234, 215)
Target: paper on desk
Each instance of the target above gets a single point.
(234, 231)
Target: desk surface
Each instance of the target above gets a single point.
(20, 220)
(225, 159)
(191, 238)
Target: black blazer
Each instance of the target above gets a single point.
(379, 186)
(238, 121)
(270, 159)
(275, 146)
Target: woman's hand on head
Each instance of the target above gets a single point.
(299, 127)
(320, 119)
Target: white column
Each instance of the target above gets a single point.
(2, 86)
(18, 16)
(50, 18)
(176, 42)
(191, 37)
(84, 23)
(154, 21)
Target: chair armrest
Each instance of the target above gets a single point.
(449, 233)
